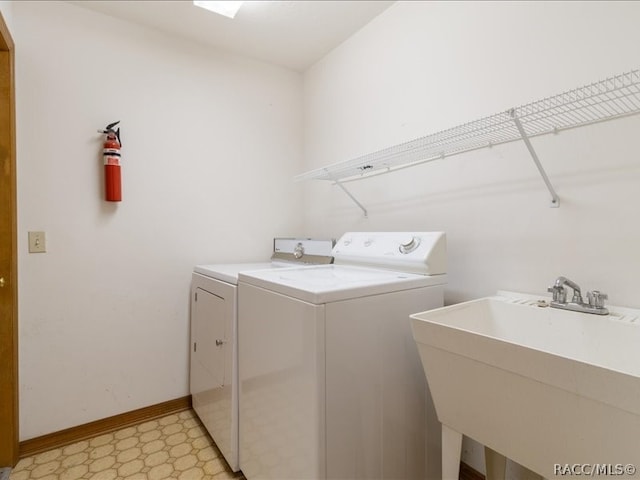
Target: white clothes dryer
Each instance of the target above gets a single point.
(331, 384)
(214, 347)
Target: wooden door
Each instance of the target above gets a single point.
(8, 257)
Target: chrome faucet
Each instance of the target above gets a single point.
(595, 298)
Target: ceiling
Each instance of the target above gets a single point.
(293, 34)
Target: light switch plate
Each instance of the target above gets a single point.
(37, 242)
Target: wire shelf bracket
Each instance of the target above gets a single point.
(349, 194)
(555, 200)
(608, 99)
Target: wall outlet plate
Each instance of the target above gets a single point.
(37, 242)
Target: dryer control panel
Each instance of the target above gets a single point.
(412, 252)
(315, 251)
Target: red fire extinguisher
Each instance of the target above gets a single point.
(111, 157)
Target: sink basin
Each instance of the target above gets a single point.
(542, 386)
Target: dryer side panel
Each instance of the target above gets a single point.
(213, 381)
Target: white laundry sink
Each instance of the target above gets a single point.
(545, 387)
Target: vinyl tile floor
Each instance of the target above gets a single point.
(172, 447)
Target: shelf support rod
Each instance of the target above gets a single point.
(337, 182)
(555, 200)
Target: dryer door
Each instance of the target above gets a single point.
(209, 340)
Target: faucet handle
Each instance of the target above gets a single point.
(597, 298)
(559, 293)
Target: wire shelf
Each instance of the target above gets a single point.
(614, 97)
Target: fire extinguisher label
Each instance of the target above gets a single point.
(111, 156)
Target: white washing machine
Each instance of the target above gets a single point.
(331, 384)
(214, 347)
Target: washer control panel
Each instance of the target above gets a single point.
(411, 252)
(409, 244)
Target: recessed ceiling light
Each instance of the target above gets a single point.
(226, 8)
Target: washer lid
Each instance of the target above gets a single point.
(330, 283)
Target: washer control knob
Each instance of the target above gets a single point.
(409, 244)
(298, 251)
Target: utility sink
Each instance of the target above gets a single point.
(551, 389)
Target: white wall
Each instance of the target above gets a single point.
(210, 144)
(6, 8)
(421, 67)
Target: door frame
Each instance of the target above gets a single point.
(9, 433)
